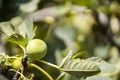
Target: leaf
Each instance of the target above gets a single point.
(2, 57)
(61, 10)
(103, 65)
(30, 76)
(26, 29)
(67, 34)
(83, 23)
(114, 25)
(17, 39)
(69, 77)
(69, 56)
(29, 6)
(98, 78)
(8, 61)
(101, 51)
(7, 28)
(79, 68)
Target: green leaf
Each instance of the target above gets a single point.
(101, 51)
(29, 6)
(8, 61)
(2, 57)
(7, 28)
(98, 78)
(79, 68)
(67, 34)
(26, 29)
(17, 39)
(103, 65)
(30, 77)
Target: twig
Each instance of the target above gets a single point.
(17, 75)
(49, 64)
(41, 70)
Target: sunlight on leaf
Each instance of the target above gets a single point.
(29, 6)
(7, 28)
(103, 65)
(26, 29)
(66, 34)
(2, 57)
(79, 68)
(17, 39)
(101, 51)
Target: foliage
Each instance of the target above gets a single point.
(82, 38)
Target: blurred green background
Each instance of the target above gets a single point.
(87, 27)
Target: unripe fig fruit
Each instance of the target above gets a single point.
(16, 63)
(36, 49)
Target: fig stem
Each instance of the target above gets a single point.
(61, 76)
(49, 64)
(24, 52)
(17, 75)
(41, 70)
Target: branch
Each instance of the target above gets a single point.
(41, 70)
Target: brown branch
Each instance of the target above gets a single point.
(17, 75)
